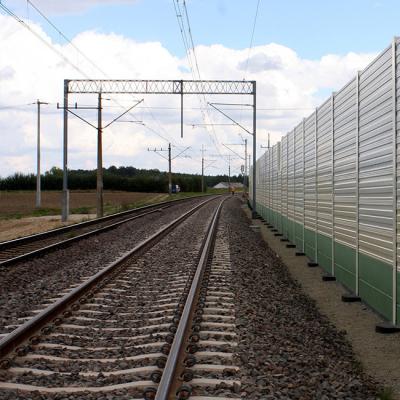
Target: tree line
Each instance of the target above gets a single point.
(129, 179)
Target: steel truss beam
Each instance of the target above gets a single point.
(159, 87)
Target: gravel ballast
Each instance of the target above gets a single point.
(287, 349)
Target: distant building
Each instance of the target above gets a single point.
(225, 185)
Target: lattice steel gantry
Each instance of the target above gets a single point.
(174, 87)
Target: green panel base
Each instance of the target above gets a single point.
(299, 237)
(309, 244)
(324, 252)
(345, 266)
(398, 298)
(291, 233)
(285, 226)
(375, 284)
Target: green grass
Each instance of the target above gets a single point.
(82, 210)
(358, 367)
(70, 235)
(39, 212)
(387, 393)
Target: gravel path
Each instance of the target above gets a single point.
(26, 286)
(287, 349)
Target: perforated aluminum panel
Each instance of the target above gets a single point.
(375, 159)
(345, 158)
(398, 149)
(324, 168)
(310, 173)
(284, 180)
(276, 184)
(290, 175)
(299, 174)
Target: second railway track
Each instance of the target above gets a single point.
(157, 322)
(13, 251)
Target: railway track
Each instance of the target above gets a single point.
(157, 323)
(35, 245)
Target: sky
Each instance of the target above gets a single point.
(297, 51)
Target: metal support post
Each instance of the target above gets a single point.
(294, 188)
(357, 180)
(38, 183)
(254, 212)
(287, 186)
(169, 170)
(181, 109)
(245, 166)
(38, 189)
(281, 185)
(304, 183)
(65, 194)
(229, 171)
(202, 168)
(333, 183)
(316, 186)
(269, 186)
(395, 185)
(99, 161)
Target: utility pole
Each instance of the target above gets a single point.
(246, 179)
(65, 192)
(249, 156)
(99, 194)
(265, 147)
(169, 159)
(38, 186)
(202, 168)
(204, 165)
(229, 171)
(169, 170)
(243, 158)
(99, 128)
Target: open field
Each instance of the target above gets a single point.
(19, 217)
(18, 204)
(22, 203)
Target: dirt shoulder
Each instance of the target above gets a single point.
(378, 354)
(15, 228)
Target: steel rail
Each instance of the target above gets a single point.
(37, 237)
(169, 375)
(51, 314)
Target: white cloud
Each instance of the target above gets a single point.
(6, 73)
(31, 71)
(261, 62)
(70, 6)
